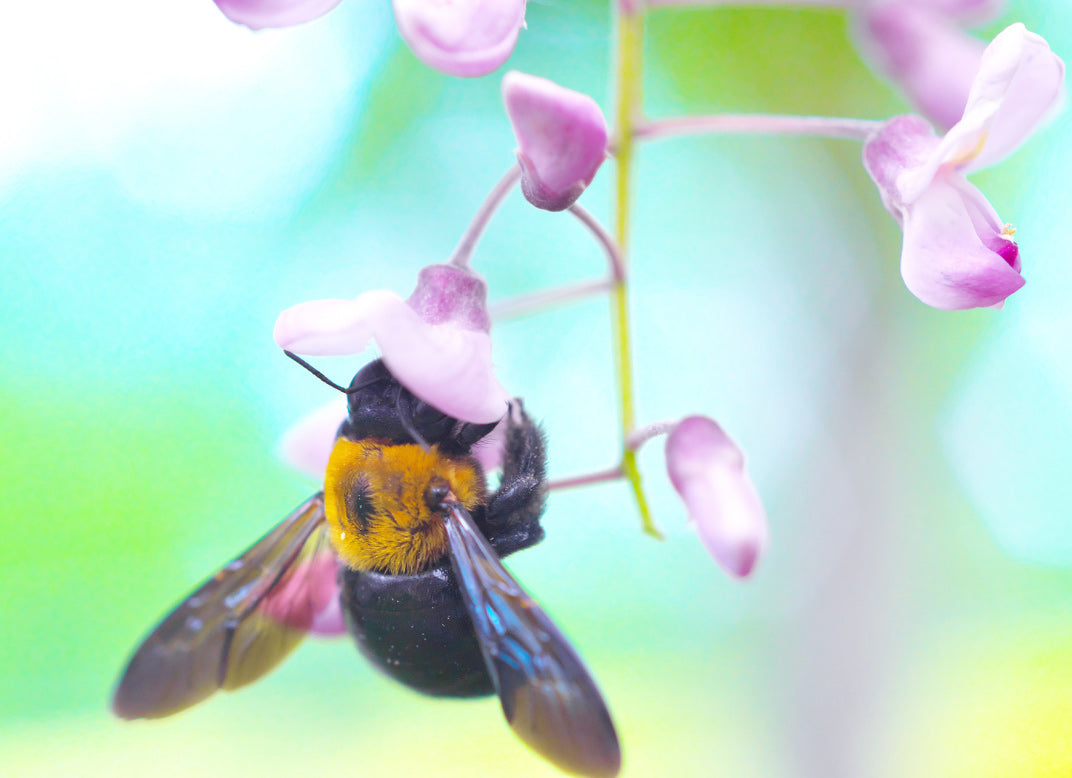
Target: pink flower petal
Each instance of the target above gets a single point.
(257, 14)
(1018, 84)
(707, 469)
(461, 37)
(955, 255)
(925, 53)
(971, 12)
(446, 366)
(490, 450)
(334, 327)
(437, 344)
(307, 445)
(561, 135)
(329, 622)
(904, 145)
(307, 598)
(450, 337)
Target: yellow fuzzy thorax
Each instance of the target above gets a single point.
(374, 499)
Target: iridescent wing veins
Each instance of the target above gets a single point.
(239, 624)
(547, 695)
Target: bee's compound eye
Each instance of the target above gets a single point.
(437, 491)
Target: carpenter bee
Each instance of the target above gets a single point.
(408, 526)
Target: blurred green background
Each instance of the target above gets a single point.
(170, 182)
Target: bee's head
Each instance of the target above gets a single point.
(380, 407)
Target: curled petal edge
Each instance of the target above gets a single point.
(336, 327)
(1018, 85)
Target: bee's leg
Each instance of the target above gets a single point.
(513, 512)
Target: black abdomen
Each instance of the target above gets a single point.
(415, 629)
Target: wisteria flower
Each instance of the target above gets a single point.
(957, 253)
(458, 37)
(707, 469)
(561, 136)
(922, 46)
(437, 343)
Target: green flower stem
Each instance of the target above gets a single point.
(630, 21)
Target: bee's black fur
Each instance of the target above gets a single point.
(381, 408)
(415, 627)
(513, 512)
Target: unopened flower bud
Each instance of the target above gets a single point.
(561, 137)
(258, 14)
(707, 469)
(461, 37)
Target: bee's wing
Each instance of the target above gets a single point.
(547, 695)
(239, 624)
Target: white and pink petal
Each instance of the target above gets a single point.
(956, 253)
(441, 353)
(448, 367)
(334, 327)
(306, 445)
(896, 153)
(1018, 85)
(448, 293)
(307, 598)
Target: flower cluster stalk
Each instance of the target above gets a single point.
(630, 23)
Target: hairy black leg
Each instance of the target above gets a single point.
(513, 512)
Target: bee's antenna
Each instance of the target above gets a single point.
(407, 423)
(320, 375)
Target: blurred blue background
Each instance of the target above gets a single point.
(170, 182)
